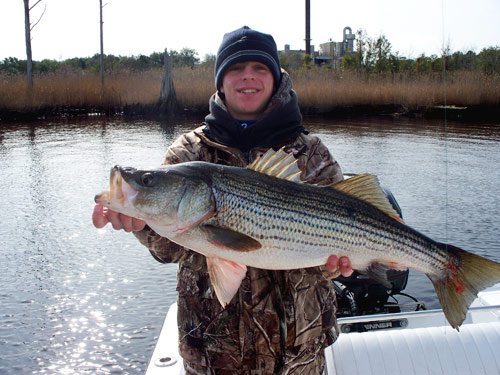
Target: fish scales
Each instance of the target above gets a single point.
(282, 215)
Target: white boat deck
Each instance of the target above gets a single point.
(425, 345)
(432, 350)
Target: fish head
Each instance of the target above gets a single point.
(165, 197)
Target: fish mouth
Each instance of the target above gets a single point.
(115, 194)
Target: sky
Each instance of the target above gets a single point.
(70, 28)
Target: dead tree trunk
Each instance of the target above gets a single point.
(29, 58)
(102, 45)
(167, 94)
(27, 28)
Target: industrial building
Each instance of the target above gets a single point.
(330, 52)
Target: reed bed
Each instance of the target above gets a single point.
(79, 90)
(193, 87)
(319, 90)
(330, 90)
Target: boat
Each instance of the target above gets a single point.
(414, 342)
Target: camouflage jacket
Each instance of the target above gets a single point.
(278, 321)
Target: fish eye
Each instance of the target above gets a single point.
(147, 179)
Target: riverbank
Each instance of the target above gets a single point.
(320, 92)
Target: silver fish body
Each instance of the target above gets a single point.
(301, 225)
(248, 218)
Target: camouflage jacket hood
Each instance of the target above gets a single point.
(276, 316)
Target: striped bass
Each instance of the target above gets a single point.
(262, 216)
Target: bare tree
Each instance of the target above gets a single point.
(28, 28)
(446, 49)
(102, 42)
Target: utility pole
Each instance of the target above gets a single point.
(308, 27)
(102, 45)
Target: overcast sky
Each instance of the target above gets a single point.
(70, 28)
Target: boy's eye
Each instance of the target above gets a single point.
(257, 67)
(261, 67)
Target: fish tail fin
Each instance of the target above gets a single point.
(464, 276)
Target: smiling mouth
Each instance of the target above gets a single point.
(249, 91)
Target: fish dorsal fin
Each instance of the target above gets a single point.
(277, 164)
(364, 186)
(367, 188)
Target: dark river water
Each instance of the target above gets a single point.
(78, 300)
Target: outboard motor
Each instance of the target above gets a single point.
(360, 295)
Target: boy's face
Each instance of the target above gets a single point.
(247, 87)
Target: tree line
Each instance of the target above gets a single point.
(375, 55)
(371, 56)
(186, 57)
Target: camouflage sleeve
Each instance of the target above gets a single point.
(185, 148)
(317, 163)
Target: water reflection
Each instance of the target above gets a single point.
(69, 294)
(76, 300)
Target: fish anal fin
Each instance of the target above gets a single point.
(366, 187)
(378, 271)
(226, 277)
(227, 239)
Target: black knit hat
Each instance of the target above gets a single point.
(245, 44)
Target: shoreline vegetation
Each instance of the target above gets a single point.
(371, 80)
(320, 92)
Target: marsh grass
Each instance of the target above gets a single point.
(320, 90)
(325, 91)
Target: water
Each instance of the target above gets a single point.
(77, 300)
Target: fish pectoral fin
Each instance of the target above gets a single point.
(366, 187)
(228, 239)
(226, 277)
(378, 272)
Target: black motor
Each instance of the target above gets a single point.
(360, 295)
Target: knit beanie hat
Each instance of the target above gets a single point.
(245, 44)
